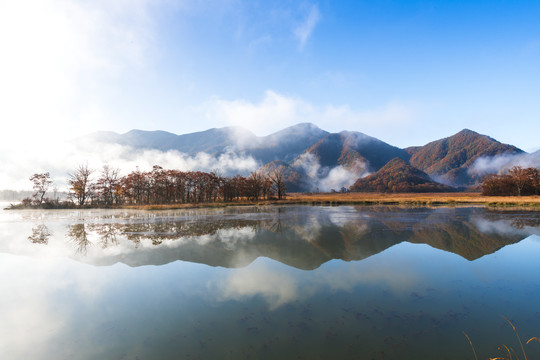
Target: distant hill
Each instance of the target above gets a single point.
(283, 145)
(398, 176)
(209, 141)
(448, 160)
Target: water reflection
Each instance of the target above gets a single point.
(40, 235)
(302, 237)
(79, 236)
(404, 300)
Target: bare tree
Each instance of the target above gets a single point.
(278, 182)
(520, 177)
(80, 183)
(42, 182)
(107, 185)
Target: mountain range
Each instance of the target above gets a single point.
(312, 158)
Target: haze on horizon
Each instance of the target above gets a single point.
(404, 72)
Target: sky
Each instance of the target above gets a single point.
(406, 72)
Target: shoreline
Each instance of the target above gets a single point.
(337, 199)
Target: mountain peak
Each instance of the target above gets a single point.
(303, 129)
(467, 132)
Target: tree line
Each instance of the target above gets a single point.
(158, 186)
(517, 181)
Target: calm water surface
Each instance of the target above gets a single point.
(291, 282)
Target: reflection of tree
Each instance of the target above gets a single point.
(40, 235)
(107, 233)
(275, 226)
(78, 234)
(157, 232)
(520, 223)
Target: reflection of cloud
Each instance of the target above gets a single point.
(231, 237)
(279, 285)
(28, 325)
(308, 232)
(505, 227)
(45, 301)
(398, 280)
(276, 286)
(32, 318)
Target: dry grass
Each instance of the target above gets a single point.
(416, 199)
(507, 351)
(410, 199)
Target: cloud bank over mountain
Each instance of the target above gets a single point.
(500, 163)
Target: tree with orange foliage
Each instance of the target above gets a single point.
(80, 183)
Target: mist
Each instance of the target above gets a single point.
(63, 157)
(324, 178)
(501, 163)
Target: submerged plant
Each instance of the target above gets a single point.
(510, 353)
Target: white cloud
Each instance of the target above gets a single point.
(326, 178)
(304, 30)
(501, 163)
(276, 111)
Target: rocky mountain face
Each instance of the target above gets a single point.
(312, 158)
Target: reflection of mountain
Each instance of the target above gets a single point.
(303, 237)
(451, 233)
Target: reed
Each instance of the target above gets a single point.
(470, 342)
(517, 335)
(509, 352)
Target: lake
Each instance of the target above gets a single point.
(291, 282)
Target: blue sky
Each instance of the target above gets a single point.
(407, 72)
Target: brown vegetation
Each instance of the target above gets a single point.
(460, 198)
(399, 177)
(159, 187)
(517, 182)
(451, 158)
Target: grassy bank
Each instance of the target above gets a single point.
(409, 199)
(415, 199)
